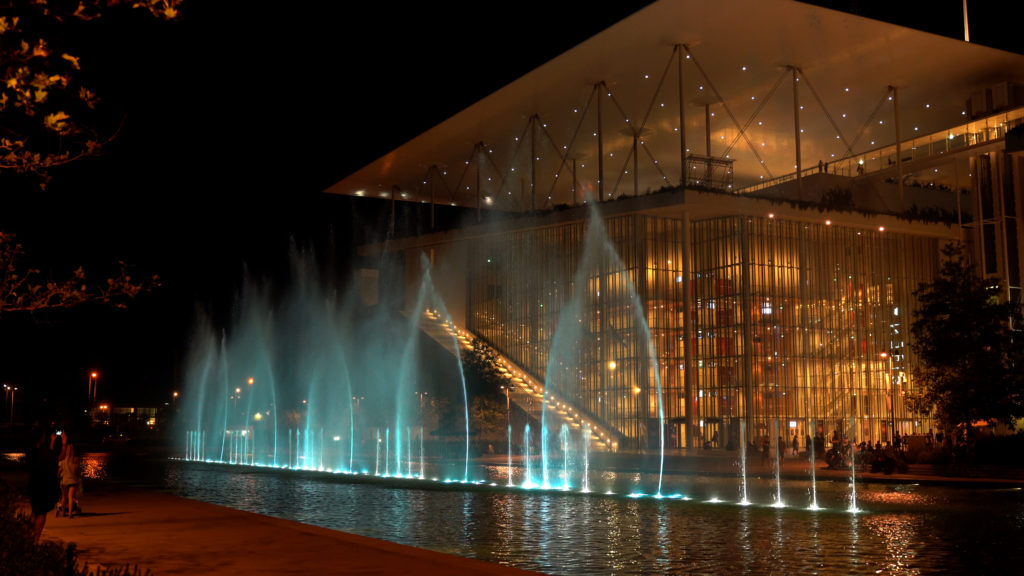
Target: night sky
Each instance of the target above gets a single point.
(235, 120)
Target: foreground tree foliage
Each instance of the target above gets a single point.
(23, 290)
(48, 113)
(972, 359)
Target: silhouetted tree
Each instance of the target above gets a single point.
(972, 359)
(22, 290)
(49, 115)
(487, 418)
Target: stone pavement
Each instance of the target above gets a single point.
(166, 535)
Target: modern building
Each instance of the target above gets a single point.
(770, 191)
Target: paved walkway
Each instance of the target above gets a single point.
(170, 535)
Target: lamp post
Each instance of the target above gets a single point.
(11, 390)
(892, 397)
(93, 377)
(421, 395)
(508, 407)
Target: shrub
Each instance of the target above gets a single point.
(20, 556)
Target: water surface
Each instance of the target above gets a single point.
(902, 529)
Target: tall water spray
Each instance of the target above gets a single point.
(778, 463)
(600, 274)
(743, 462)
(814, 479)
(853, 465)
(305, 375)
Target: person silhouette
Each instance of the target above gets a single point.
(70, 480)
(43, 490)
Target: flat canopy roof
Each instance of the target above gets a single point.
(605, 115)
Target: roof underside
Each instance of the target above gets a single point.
(738, 61)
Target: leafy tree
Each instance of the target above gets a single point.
(49, 116)
(971, 356)
(487, 418)
(21, 289)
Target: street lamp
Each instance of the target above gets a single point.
(12, 390)
(508, 407)
(93, 376)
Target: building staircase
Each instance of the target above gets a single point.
(522, 389)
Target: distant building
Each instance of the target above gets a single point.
(770, 247)
(125, 419)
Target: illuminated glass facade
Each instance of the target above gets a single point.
(789, 322)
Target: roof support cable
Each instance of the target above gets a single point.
(849, 146)
(435, 170)
(511, 160)
(489, 156)
(561, 157)
(764, 101)
(635, 132)
(864, 128)
(711, 85)
(465, 170)
(572, 141)
(657, 166)
(650, 108)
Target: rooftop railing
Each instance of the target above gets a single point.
(988, 129)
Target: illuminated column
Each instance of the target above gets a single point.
(807, 359)
(747, 320)
(688, 393)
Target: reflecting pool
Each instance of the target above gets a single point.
(902, 529)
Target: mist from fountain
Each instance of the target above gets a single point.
(310, 379)
(598, 259)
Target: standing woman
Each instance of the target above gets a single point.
(70, 479)
(42, 479)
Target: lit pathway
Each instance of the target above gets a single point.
(170, 535)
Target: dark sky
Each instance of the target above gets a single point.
(235, 119)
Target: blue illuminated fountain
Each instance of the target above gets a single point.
(314, 380)
(599, 258)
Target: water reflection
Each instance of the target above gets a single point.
(898, 533)
(905, 530)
